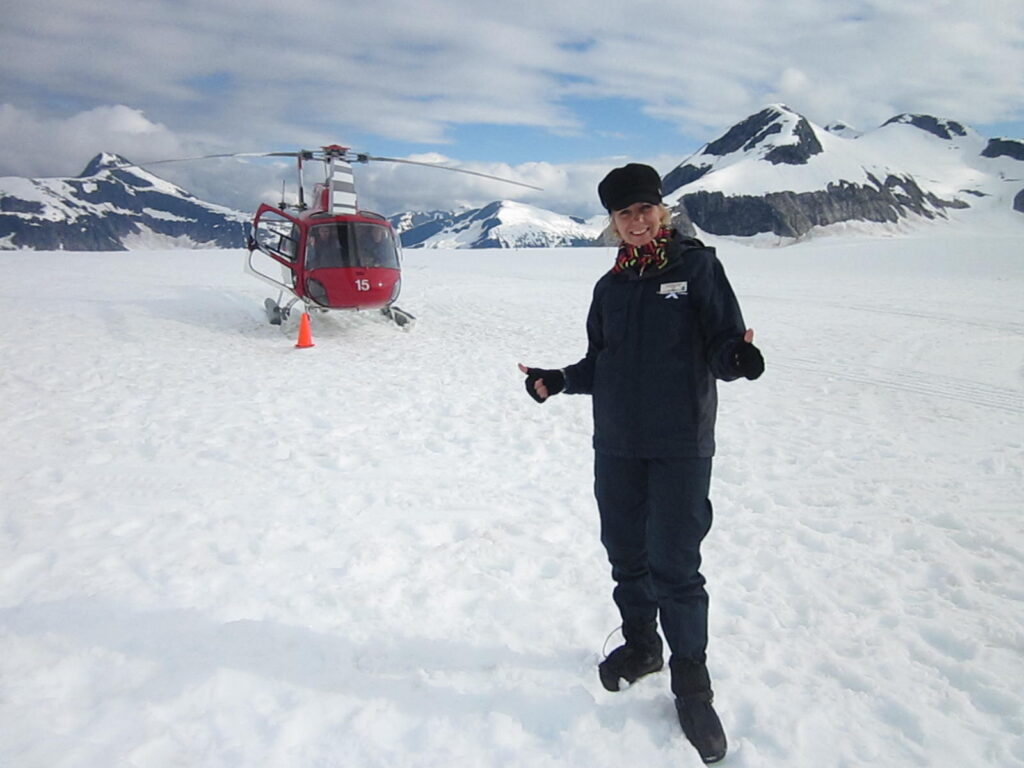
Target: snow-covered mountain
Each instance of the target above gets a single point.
(774, 174)
(411, 220)
(111, 208)
(777, 173)
(501, 224)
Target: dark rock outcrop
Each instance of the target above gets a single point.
(746, 134)
(756, 129)
(682, 222)
(682, 175)
(1013, 148)
(797, 154)
(792, 214)
(944, 129)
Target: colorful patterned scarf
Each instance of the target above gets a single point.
(652, 254)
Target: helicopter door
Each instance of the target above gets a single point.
(276, 238)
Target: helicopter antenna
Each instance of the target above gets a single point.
(302, 199)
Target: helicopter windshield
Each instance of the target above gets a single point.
(351, 244)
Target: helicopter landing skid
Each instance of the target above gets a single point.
(276, 314)
(401, 318)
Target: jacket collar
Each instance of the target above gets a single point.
(677, 248)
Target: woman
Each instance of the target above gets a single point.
(663, 325)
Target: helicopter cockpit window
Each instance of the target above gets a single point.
(327, 246)
(375, 246)
(350, 244)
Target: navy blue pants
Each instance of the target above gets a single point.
(654, 515)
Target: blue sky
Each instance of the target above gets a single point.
(551, 93)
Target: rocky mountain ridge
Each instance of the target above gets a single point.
(777, 174)
(111, 206)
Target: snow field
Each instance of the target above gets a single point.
(220, 550)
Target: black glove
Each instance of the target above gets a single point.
(554, 380)
(749, 361)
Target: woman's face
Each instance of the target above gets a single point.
(638, 224)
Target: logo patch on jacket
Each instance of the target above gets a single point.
(672, 290)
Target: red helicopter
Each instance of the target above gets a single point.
(331, 254)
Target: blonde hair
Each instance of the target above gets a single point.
(610, 235)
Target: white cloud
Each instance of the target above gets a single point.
(35, 145)
(68, 144)
(221, 75)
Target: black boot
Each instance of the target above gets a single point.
(702, 727)
(692, 687)
(640, 656)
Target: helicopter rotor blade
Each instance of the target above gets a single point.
(209, 157)
(357, 157)
(449, 168)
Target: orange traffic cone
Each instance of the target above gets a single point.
(305, 334)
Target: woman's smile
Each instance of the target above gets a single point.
(638, 224)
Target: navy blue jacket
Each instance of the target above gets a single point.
(656, 343)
